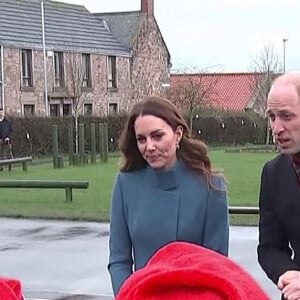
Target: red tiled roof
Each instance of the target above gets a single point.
(231, 91)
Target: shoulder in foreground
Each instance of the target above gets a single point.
(218, 172)
(132, 174)
(218, 181)
(277, 161)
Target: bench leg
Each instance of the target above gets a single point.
(69, 197)
(24, 166)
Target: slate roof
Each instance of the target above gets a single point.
(67, 27)
(232, 91)
(124, 25)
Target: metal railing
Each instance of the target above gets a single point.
(244, 210)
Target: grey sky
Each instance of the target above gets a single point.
(222, 33)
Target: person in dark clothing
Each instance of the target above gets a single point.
(279, 202)
(5, 133)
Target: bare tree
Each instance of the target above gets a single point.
(266, 67)
(76, 85)
(191, 91)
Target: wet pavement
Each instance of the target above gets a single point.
(67, 260)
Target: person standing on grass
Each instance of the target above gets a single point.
(5, 132)
(165, 191)
(279, 200)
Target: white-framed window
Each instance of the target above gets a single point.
(54, 110)
(87, 109)
(112, 108)
(60, 107)
(86, 70)
(67, 109)
(112, 72)
(58, 69)
(29, 110)
(27, 67)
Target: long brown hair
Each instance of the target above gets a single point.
(193, 152)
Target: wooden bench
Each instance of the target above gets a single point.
(15, 161)
(68, 185)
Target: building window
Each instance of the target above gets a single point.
(112, 109)
(58, 69)
(1, 79)
(29, 110)
(86, 69)
(88, 109)
(54, 110)
(112, 72)
(67, 111)
(26, 67)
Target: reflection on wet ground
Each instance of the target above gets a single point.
(54, 296)
(42, 233)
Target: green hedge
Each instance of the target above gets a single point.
(230, 130)
(225, 129)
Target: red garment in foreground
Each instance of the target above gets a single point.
(186, 271)
(10, 289)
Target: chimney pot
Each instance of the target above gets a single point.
(147, 7)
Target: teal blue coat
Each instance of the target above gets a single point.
(151, 208)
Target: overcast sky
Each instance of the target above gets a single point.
(227, 34)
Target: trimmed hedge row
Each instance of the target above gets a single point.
(232, 130)
(32, 136)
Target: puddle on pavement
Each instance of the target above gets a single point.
(11, 246)
(67, 233)
(47, 233)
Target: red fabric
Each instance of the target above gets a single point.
(185, 271)
(10, 289)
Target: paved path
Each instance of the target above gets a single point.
(67, 260)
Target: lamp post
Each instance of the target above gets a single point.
(284, 41)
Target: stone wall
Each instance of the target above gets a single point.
(150, 64)
(100, 96)
(137, 76)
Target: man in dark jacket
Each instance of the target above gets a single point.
(5, 132)
(279, 225)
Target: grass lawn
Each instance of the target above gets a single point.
(242, 171)
(88, 204)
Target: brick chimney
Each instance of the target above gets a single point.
(147, 7)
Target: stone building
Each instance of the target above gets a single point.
(95, 64)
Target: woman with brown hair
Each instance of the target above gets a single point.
(164, 192)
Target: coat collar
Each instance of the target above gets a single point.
(166, 180)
